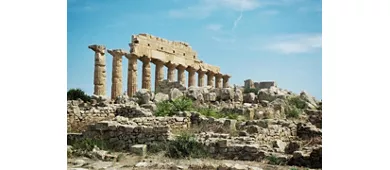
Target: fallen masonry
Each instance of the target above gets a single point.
(268, 126)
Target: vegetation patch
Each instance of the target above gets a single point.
(74, 94)
(275, 161)
(185, 146)
(209, 112)
(292, 112)
(88, 144)
(250, 90)
(170, 108)
(297, 102)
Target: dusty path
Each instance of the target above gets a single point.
(128, 162)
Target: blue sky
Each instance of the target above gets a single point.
(277, 40)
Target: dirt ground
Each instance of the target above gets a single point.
(158, 161)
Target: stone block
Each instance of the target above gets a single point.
(139, 149)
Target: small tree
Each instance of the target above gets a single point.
(250, 90)
(74, 94)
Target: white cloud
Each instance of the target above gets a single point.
(236, 21)
(214, 27)
(205, 8)
(223, 40)
(298, 43)
(306, 9)
(270, 12)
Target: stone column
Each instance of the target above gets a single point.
(210, 78)
(132, 74)
(159, 73)
(171, 71)
(181, 77)
(226, 78)
(99, 79)
(191, 76)
(146, 75)
(201, 78)
(218, 80)
(116, 87)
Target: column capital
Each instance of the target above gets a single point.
(171, 64)
(145, 59)
(116, 52)
(209, 72)
(181, 67)
(131, 56)
(157, 61)
(226, 76)
(218, 75)
(191, 69)
(98, 48)
(201, 70)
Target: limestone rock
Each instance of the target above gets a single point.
(139, 150)
(308, 98)
(238, 97)
(307, 131)
(122, 99)
(210, 97)
(271, 94)
(250, 98)
(227, 94)
(292, 147)
(150, 106)
(141, 164)
(144, 96)
(195, 93)
(159, 97)
(174, 94)
(251, 129)
(279, 145)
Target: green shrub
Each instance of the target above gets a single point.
(250, 90)
(185, 146)
(209, 112)
(274, 160)
(182, 104)
(156, 147)
(164, 108)
(74, 94)
(297, 102)
(169, 108)
(89, 143)
(292, 112)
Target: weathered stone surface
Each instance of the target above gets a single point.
(249, 98)
(210, 97)
(146, 73)
(292, 147)
(159, 97)
(174, 94)
(195, 93)
(308, 98)
(271, 94)
(307, 131)
(132, 111)
(144, 96)
(116, 87)
(100, 69)
(238, 97)
(139, 149)
(279, 145)
(227, 94)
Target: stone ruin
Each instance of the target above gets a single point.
(129, 123)
(249, 83)
(161, 52)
